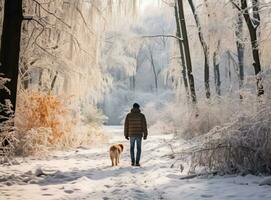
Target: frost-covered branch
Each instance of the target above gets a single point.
(162, 35)
(50, 13)
(235, 5)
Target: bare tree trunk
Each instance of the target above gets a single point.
(10, 50)
(133, 78)
(40, 78)
(252, 27)
(253, 24)
(134, 82)
(205, 51)
(54, 81)
(187, 52)
(154, 71)
(216, 69)
(240, 49)
(178, 33)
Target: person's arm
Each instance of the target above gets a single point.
(145, 128)
(126, 125)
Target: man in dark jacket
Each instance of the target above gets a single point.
(135, 128)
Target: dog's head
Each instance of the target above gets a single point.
(121, 146)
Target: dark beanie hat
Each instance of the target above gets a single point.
(136, 105)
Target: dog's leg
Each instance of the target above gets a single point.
(118, 159)
(112, 160)
(115, 161)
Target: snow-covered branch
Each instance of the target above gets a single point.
(163, 36)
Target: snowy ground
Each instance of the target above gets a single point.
(87, 174)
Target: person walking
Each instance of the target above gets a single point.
(135, 127)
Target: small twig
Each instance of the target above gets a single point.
(235, 5)
(162, 35)
(83, 18)
(58, 18)
(171, 148)
(45, 50)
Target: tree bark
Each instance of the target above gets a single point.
(216, 70)
(154, 71)
(205, 51)
(253, 25)
(10, 50)
(178, 33)
(187, 52)
(240, 49)
(54, 81)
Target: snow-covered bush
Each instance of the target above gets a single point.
(189, 121)
(92, 115)
(240, 146)
(38, 109)
(45, 121)
(7, 130)
(211, 113)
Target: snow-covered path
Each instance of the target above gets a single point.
(87, 174)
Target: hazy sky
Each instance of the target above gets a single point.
(146, 3)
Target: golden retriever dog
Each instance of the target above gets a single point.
(115, 151)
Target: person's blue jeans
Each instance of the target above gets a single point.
(138, 141)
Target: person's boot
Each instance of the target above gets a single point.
(132, 164)
(137, 164)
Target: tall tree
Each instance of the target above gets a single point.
(133, 78)
(253, 22)
(216, 69)
(10, 50)
(240, 48)
(187, 52)
(155, 73)
(179, 35)
(205, 51)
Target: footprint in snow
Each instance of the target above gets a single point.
(121, 186)
(116, 190)
(107, 186)
(138, 191)
(231, 196)
(206, 195)
(47, 194)
(68, 191)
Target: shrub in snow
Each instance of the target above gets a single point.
(7, 130)
(45, 121)
(240, 146)
(38, 109)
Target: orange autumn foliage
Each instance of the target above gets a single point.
(39, 109)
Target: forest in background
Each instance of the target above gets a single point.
(200, 69)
